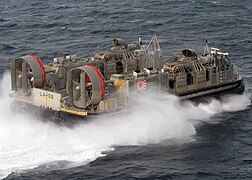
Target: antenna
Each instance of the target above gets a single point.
(154, 44)
(206, 50)
(140, 41)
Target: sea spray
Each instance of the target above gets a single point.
(26, 142)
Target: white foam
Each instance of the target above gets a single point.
(26, 142)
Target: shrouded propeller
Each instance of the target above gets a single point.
(27, 72)
(85, 86)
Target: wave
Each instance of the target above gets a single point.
(6, 47)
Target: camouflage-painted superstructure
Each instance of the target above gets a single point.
(105, 81)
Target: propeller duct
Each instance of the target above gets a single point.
(85, 86)
(27, 72)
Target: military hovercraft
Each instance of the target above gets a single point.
(105, 81)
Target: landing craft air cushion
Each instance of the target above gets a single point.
(105, 81)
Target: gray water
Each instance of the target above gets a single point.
(154, 139)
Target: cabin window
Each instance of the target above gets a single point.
(119, 67)
(207, 75)
(189, 79)
(171, 84)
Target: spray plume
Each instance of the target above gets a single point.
(26, 142)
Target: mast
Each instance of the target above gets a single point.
(206, 50)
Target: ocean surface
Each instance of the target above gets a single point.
(153, 139)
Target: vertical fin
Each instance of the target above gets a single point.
(83, 88)
(70, 87)
(24, 78)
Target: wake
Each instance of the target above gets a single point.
(26, 142)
